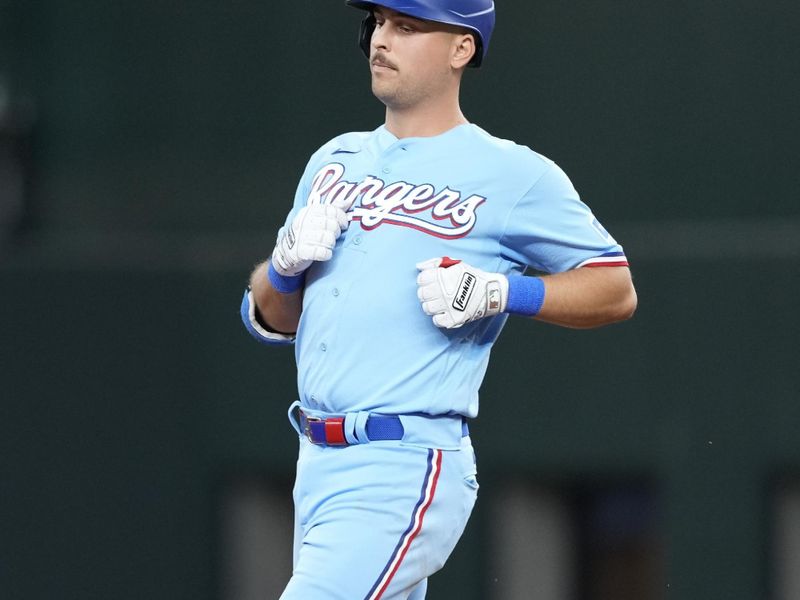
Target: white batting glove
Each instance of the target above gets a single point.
(454, 293)
(310, 237)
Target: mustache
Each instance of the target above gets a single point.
(379, 58)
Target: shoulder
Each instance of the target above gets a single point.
(509, 157)
(346, 143)
(352, 141)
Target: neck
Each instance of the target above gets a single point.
(425, 120)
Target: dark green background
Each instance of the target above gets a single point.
(167, 143)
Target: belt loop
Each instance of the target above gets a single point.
(350, 427)
(361, 427)
(293, 418)
(355, 427)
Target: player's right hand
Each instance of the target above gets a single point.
(310, 237)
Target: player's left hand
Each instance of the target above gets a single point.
(454, 293)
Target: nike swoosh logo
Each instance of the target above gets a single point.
(343, 151)
(475, 14)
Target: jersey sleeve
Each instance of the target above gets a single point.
(254, 328)
(552, 230)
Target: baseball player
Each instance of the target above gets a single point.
(398, 265)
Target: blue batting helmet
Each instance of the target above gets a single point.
(475, 15)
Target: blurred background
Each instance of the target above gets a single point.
(148, 152)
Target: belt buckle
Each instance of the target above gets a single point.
(332, 431)
(307, 428)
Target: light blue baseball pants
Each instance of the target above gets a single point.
(374, 520)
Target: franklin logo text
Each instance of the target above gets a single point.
(464, 291)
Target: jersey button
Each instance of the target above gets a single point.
(323, 346)
(386, 170)
(357, 240)
(335, 291)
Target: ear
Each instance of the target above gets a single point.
(463, 49)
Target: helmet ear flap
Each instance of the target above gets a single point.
(365, 33)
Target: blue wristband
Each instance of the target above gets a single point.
(283, 283)
(525, 295)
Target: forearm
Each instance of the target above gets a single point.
(279, 311)
(588, 297)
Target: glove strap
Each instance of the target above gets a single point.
(283, 283)
(525, 295)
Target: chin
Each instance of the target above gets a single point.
(381, 93)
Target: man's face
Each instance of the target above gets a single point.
(410, 59)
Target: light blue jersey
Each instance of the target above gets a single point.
(364, 342)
